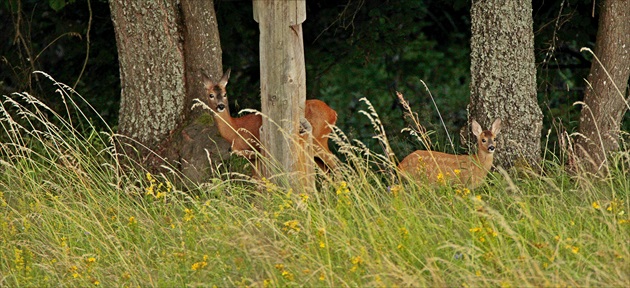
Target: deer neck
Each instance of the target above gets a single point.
(226, 125)
(484, 159)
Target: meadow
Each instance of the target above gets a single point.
(73, 213)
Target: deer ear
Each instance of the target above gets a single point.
(476, 128)
(224, 80)
(496, 126)
(207, 83)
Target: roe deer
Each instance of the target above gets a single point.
(469, 170)
(244, 132)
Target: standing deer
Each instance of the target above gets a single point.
(244, 132)
(469, 170)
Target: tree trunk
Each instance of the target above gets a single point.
(606, 101)
(163, 49)
(151, 68)
(283, 87)
(503, 78)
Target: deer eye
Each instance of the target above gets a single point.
(483, 140)
(211, 96)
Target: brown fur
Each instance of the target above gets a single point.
(467, 170)
(244, 132)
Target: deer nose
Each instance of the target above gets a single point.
(491, 148)
(220, 107)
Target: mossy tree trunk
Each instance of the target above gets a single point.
(503, 78)
(164, 47)
(606, 99)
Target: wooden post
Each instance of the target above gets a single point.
(283, 90)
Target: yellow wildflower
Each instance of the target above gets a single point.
(595, 205)
(149, 190)
(343, 188)
(404, 233)
(287, 275)
(75, 271)
(573, 249)
(198, 265)
(344, 193)
(462, 192)
(440, 178)
(269, 186)
(3, 203)
(395, 189)
(19, 259)
(126, 276)
(475, 229)
(189, 215)
(292, 226)
(356, 260)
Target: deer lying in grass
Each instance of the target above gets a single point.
(469, 170)
(244, 132)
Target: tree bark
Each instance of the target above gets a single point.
(151, 68)
(503, 78)
(283, 87)
(607, 99)
(163, 50)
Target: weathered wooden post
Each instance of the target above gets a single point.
(283, 90)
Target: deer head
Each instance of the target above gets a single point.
(217, 95)
(485, 139)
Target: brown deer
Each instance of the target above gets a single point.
(244, 132)
(468, 170)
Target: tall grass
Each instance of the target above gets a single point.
(72, 215)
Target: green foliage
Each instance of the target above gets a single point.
(57, 5)
(72, 214)
(53, 38)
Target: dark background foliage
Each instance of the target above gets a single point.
(353, 48)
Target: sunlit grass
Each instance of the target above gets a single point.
(73, 215)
